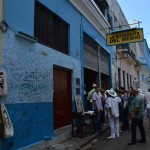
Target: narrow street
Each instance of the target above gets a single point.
(120, 144)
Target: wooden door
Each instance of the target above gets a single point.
(62, 103)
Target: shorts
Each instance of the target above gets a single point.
(148, 112)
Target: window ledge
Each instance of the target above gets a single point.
(26, 37)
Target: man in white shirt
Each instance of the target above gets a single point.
(113, 113)
(147, 97)
(97, 107)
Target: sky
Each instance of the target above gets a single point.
(140, 11)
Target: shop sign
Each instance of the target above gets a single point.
(126, 36)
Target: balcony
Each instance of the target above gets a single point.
(95, 15)
(125, 49)
(137, 66)
(131, 57)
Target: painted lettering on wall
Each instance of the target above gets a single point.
(31, 86)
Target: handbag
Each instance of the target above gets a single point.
(6, 127)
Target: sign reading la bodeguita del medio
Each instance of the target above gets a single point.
(126, 36)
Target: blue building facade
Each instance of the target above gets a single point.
(29, 67)
(145, 63)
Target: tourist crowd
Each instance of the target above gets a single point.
(120, 109)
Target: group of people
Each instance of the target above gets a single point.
(119, 107)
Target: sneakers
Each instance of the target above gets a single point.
(111, 137)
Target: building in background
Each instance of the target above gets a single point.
(125, 72)
(96, 23)
(52, 52)
(143, 57)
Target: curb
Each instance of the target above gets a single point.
(93, 137)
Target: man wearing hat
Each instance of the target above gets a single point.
(113, 112)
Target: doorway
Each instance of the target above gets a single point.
(62, 102)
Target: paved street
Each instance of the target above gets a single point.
(120, 144)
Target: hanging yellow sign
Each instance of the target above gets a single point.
(127, 36)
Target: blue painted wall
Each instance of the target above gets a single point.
(32, 122)
(95, 35)
(147, 53)
(30, 88)
(20, 17)
(30, 72)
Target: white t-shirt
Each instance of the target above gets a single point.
(148, 100)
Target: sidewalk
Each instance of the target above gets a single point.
(77, 143)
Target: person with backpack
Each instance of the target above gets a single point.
(89, 97)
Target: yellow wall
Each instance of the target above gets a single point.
(1, 18)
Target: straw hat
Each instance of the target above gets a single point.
(94, 85)
(112, 92)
